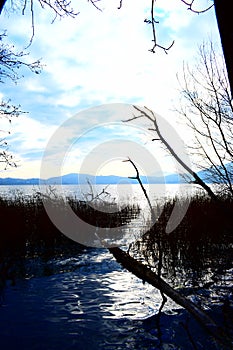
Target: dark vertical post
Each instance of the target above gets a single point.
(225, 26)
(2, 3)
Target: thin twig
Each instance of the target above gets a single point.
(94, 4)
(137, 177)
(120, 4)
(164, 300)
(190, 7)
(152, 22)
(151, 116)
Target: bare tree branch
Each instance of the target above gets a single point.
(152, 22)
(145, 274)
(93, 2)
(206, 106)
(7, 112)
(11, 61)
(147, 113)
(191, 8)
(10, 64)
(120, 4)
(137, 177)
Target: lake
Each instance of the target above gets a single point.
(97, 305)
(128, 193)
(88, 301)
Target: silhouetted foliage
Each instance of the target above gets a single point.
(31, 232)
(206, 106)
(199, 249)
(11, 63)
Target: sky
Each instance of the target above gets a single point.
(95, 67)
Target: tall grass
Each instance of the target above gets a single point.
(29, 241)
(26, 229)
(202, 244)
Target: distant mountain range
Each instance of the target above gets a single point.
(74, 179)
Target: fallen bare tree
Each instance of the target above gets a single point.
(146, 274)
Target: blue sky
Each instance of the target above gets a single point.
(99, 58)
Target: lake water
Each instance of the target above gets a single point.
(88, 301)
(127, 193)
(97, 305)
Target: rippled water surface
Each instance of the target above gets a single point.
(88, 301)
(97, 305)
(128, 193)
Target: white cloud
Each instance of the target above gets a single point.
(103, 57)
(29, 135)
(24, 170)
(33, 85)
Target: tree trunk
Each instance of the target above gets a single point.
(2, 3)
(225, 26)
(145, 274)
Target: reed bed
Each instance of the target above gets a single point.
(201, 245)
(26, 229)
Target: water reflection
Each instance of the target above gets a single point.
(96, 305)
(100, 282)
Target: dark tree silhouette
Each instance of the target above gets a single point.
(224, 19)
(10, 64)
(11, 61)
(62, 8)
(8, 112)
(2, 3)
(206, 106)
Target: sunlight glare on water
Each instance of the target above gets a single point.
(91, 307)
(99, 281)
